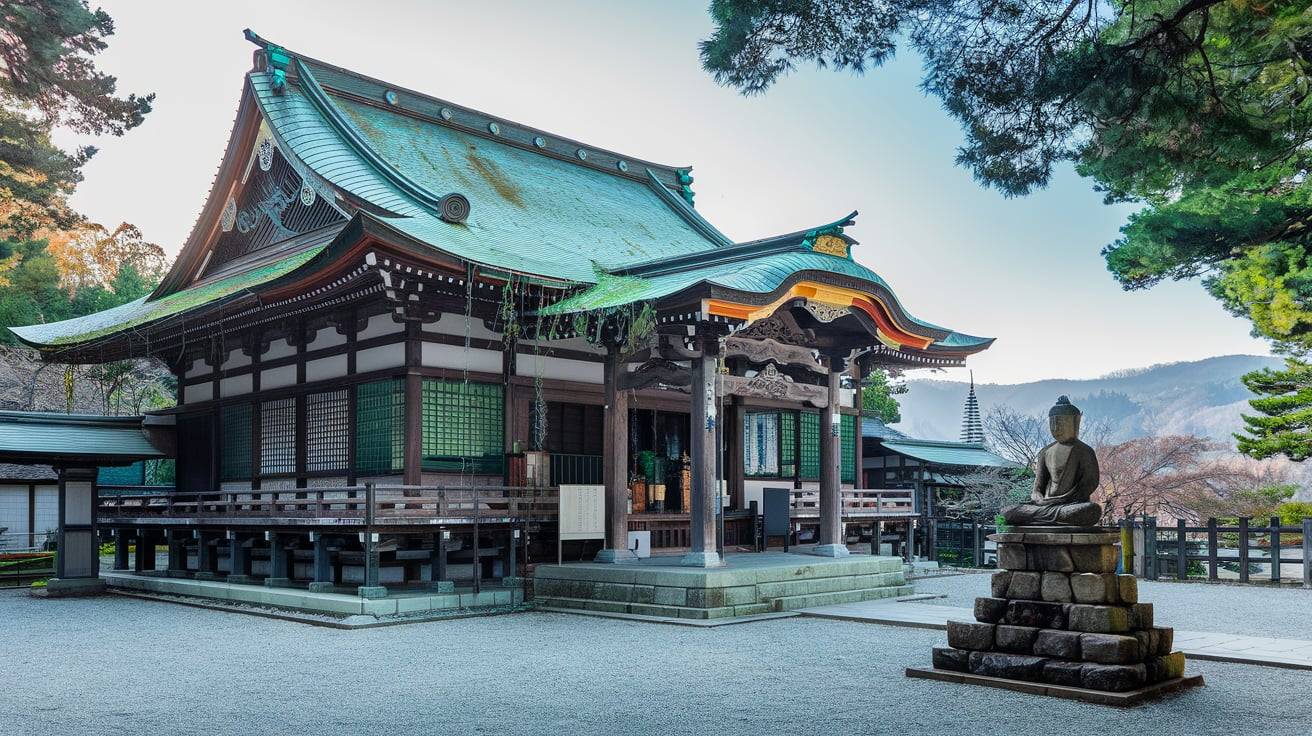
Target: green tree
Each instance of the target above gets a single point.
(48, 79)
(1199, 109)
(877, 392)
(1284, 426)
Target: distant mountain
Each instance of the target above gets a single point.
(1203, 398)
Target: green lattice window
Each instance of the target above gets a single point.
(463, 426)
(380, 427)
(327, 425)
(235, 442)
(278, 437)
(810, 460)
(788, 445)
(847, 449)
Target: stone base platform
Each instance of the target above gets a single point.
(391, 603)
(1061, 617)
(1100, 697)
(746, 585)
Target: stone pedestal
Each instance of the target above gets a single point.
(1059, 615)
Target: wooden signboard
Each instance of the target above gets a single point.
(582, 514)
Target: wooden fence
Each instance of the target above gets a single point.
(1243, 552)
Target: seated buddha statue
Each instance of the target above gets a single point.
(1065, 477)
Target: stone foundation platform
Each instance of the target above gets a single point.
(1060, 617)
(747, 584)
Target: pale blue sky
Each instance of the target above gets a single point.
(624, 75)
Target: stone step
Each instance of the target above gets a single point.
(652, 609)
(795, 602)
(830, 584)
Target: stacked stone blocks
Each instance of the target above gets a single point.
(1060, 615)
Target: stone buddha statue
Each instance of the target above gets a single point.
(1065, 477)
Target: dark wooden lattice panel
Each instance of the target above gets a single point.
(327, 427)
(278, 437)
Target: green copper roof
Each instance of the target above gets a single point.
(530, 212)
(760, 275)
(140, 312)
(948, 453)
(51, 438)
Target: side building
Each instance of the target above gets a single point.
(397, 317)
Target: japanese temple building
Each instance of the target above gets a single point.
(390, 299)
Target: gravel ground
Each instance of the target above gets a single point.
(123, 665)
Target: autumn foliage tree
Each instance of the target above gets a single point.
(1171, 476)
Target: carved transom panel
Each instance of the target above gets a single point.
(776, 328)
(826, 312)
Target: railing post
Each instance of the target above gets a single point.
(1181, 554)
(1243, 550)
(1212, 561)
(1150, 547)
(1307, 553)
(1274, 546)
(370, 563)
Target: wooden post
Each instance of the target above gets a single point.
(1307, 553)
(1181, 554)
(1211, 549)
(1243, 550)
(705, 490)
(831, 542)
(614, 467)
(1274, 548)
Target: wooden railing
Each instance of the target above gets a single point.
(1246, 551)
(396, 505)
(857, 504)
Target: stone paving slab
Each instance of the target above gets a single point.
(1258, 650)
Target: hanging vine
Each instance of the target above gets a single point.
(631, 324)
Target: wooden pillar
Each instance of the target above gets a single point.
(323, 567)
(614, 466)
(239, 561)
(77, 566)
(414, 405)
(206, 556)
(122, 540)
(279, 561)
(831, 542)
(734, 449)
(145, 560)
(177, 553)
(705, 487)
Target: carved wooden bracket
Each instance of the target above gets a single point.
(771, 384)
(779, 327)
(771, 351)
(656, 371)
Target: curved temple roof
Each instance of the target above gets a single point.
(594, 227)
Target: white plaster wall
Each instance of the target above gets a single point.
(457, 358)
(236, 359)
(385, 356)
(559, 368)
(278, 349)
(454, 324)
(380, 324)
(199, 368)
(13, 514)
(326, 337)
(324, 368)
(278, 377)
(47, 509)
(197, 393)
(235, 386)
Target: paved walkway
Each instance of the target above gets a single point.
(919, 611)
